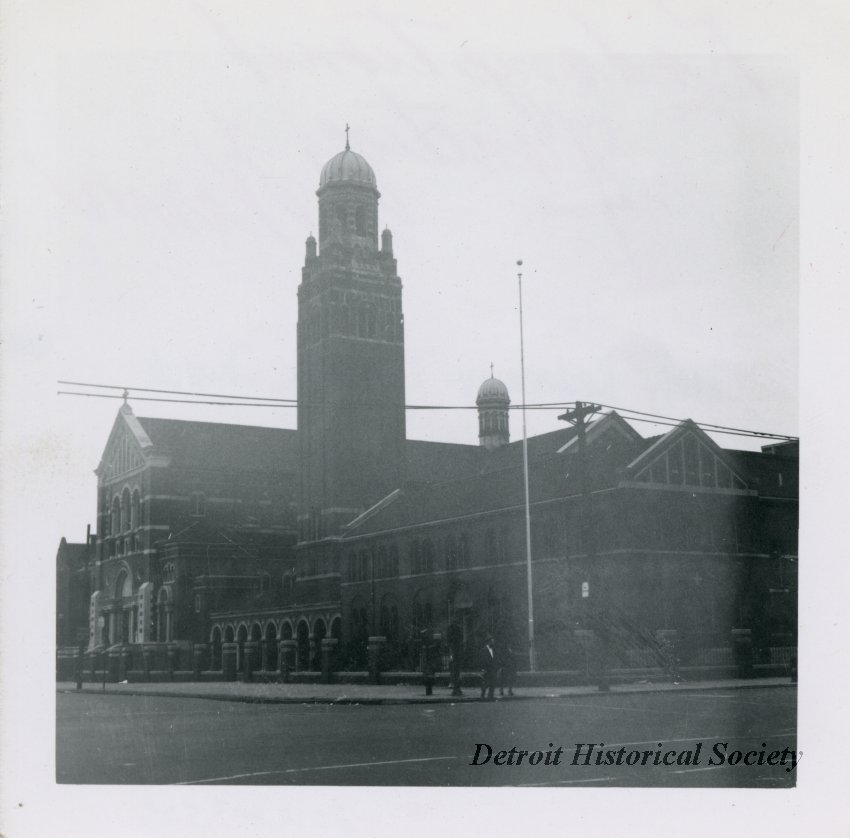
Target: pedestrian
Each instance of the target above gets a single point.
(426, 661)
(489, 668)
(79, 665)
(455, 640)
(507, 670)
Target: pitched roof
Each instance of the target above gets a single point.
(770, 474)
(428, 462)
(222, 446)
(550, 475)
(72, 555)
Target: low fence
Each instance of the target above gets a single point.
(159, 662)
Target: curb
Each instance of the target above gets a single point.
(396, 700)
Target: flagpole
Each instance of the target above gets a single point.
(531, 655)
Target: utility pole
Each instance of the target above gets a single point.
(577, 417)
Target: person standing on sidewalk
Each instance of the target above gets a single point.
(426, 660)
(455, 640)
(489, 668)
(507, 669)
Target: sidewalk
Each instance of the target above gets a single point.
(269, 693)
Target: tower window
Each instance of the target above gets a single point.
(360, 221)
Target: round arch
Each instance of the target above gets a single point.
(241, 638)
(302, 650)
(271, 636)
(123, 582)
(358, 632)
(336, 627)
(320, 632)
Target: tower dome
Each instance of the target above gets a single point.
(348, 167)
(493, 402)
(492, 389)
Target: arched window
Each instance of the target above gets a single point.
(115, 518)
(360, 220)
(302, 638)
(271, 647)
(451, 552)
(136, 511)
(428, 556)
(415, 556)
(389, 618)
(125, 510)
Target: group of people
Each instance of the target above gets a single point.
(498, 668)
(498, 664)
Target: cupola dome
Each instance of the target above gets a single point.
(493, 390)
(347, 167)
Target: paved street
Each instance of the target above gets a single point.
(144, 739)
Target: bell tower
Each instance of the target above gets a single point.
(351, 420)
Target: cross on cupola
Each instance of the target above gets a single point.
(347, 146)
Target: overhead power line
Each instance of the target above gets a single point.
(231, 400)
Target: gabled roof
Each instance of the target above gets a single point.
(610, 425)
(222, 446)
(207, 445)
(686, 456)
(72, 555)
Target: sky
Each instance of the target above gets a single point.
(652, 198)
(160, 165)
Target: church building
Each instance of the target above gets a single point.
(344, 537)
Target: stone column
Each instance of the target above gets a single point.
(113, 663)
(251, 650)
(311, 654)
(148, 651)
(286, 651)
(111, 619)
(95, 656)
(199, 659)
(264, 655)
(124, 662)
(329, 645)
(172, 660)
(229, 652)
(375, 650)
